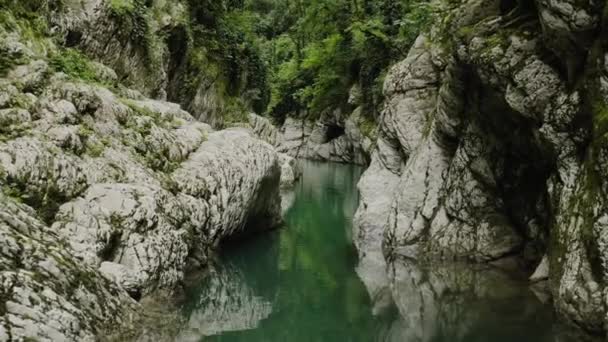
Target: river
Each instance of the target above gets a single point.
(300, 283)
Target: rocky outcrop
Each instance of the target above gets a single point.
(265, 130)
(106, 195)
(490, 145)
(46, 292)
(151, 48)
(334, 137)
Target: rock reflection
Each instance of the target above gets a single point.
(225, 303)
(228, 298)
(454, 302)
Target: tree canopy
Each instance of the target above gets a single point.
(302, 56)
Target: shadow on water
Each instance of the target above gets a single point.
(299, 284)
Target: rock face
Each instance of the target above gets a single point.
(491, 144)
(106, 195)
(265, 130)
(334, 137)
(150, 48)
(45, 291)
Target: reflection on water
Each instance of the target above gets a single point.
(463, 303)
(225, 302)
(300, 284)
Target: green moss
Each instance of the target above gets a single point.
(122, 7)
(465, 32)
(13, 193)
(132, 18)
(28, 19)
(234, 111)
(11, 132)
(46, 201)
(76, 65)
(143, 111)
(600, 119)
(368, 127)
(95, 150)
(94, 147)
(9, 60)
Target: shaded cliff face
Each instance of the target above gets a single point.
(492, 144)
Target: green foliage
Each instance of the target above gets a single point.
(235, 112)
(315, 50)
(131, 15)
(8, 61)
(26, 19)
(76, 65)
(368, 127)
(325, 60)
(280, 57)
(122, 7)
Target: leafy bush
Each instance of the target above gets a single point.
(73, 63)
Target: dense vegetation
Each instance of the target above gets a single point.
(302, 57)
(275, 57)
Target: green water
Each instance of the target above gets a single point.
(300, 284)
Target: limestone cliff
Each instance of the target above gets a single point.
(337, 136)
(492, 144)
(107, 195)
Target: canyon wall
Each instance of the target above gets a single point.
(492, 144)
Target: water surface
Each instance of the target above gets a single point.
(299, 284)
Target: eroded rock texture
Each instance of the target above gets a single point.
(492, 144)
(106, 195)
(45, 291)
(335, 136)
(265, 130)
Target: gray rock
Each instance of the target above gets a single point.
(47, 294)
(335, 139)
(31, 76)
(108, 196)
(264, 129)
(542, 271)
(486, 149)
(289, 171)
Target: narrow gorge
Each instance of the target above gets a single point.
(310, 170)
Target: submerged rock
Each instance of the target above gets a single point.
(289, 171)
(460, 302)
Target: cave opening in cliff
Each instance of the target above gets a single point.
(520, 165)
(333, 132)
(521, 6)
(507, 6)
(73, 38)
(177, 42)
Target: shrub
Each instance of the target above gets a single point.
(75, 64)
